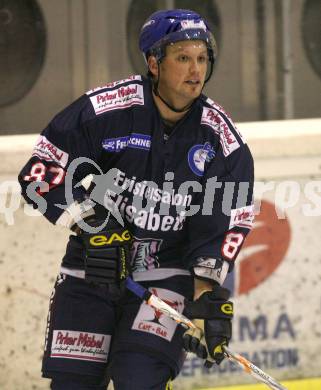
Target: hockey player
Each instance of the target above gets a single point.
(171, 161)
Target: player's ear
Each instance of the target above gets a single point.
(153, 66)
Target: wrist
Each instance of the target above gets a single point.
(76, 212)
(201, 286)
(80, 226)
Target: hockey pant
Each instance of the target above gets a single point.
(90, 340)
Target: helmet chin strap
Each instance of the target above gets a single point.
(188, 106)
(155, 90)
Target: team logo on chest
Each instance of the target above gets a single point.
(198, 155)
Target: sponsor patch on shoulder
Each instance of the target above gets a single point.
(242, 217)
(118, 98)
(221, 109)
(49, 152)
(198, 155)
(115, 83)
(134, 141)
(213, 119)
(69, 344)
(152, 321)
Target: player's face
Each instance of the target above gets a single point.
(183, 72)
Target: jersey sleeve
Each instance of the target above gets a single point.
(219, 228)
(44, 180)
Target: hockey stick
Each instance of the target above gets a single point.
(253, 370)
(166, 309)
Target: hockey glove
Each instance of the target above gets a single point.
(213, 313)
(107, 259)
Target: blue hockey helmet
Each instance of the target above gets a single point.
(169, 26)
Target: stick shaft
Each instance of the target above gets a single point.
(253, 370)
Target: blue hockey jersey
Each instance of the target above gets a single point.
(184, 192)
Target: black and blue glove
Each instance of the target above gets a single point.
(212, 313)
(107, 257)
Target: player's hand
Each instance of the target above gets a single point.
(213, 314)
(107, 258)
